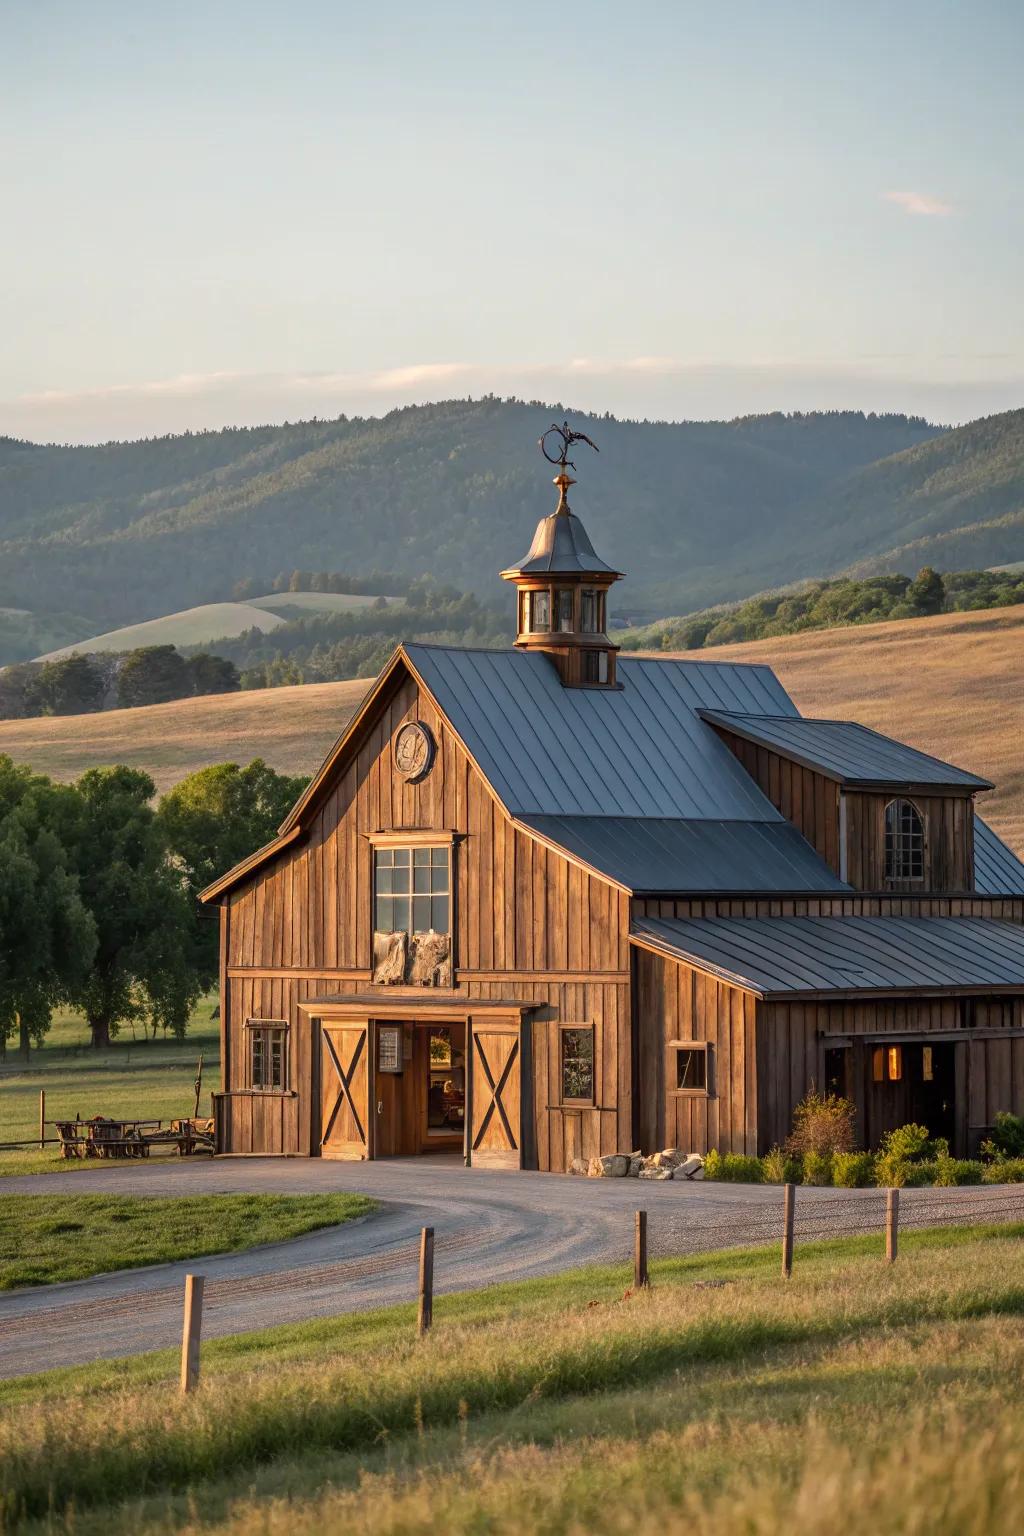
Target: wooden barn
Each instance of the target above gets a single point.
(551, 902)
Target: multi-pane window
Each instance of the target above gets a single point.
(267, 1055)
(577, 1043)
(412, 890)
(590, 612)
(540, 612)
(904, 841)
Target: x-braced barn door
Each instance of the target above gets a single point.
(495, 1124)
(345, 1090)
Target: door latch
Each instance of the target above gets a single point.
(380, 1106)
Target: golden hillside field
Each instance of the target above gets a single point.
(951, 685)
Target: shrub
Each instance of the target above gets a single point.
(822, 1123)
(818, 1168)
(957, 1170)
(853, 1170)
(908, 1143)
(779, 1167)
(1007, 1139)
(733, 1168)
(1009, 1171)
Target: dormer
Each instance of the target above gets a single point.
(885, 817)
(562, 589)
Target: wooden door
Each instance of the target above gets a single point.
(495, 1118)
(345, 1075)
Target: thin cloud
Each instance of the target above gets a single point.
(919, 204)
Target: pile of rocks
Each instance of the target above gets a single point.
(673, 1163)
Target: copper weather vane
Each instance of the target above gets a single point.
(567, 436)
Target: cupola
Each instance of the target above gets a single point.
(562, 586)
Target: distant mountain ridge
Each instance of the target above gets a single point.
(694, 512)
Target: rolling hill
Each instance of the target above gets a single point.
(949, 685)
(217, 621)
(696, 511)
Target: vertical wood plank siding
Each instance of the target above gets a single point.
(676, 1002)
(811, 802)
(526, 924)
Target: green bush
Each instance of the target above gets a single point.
(853, 1170)
(1007, 1139)
(733, 1168)
(818, 1168)
(905, 1150)
(957, 1170)
(909, 1143)
(1009, 1171)
(779, 1167)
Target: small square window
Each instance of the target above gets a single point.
(577, 1066)
(691, 1069)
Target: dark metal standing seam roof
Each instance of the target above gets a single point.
(780, 956)
(637, 751)
(657, 855)
(843, 750)
(997, 870)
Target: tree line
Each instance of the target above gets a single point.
(81, 684)
(832, 604)
(99, 885)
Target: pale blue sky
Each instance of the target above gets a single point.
(222, 212)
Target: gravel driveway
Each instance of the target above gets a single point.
(489, 1227)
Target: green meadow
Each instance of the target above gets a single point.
(855, 1396)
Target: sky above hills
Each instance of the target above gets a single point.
(222, 213)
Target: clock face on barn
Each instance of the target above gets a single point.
(414, 750)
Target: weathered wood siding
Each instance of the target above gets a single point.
(676, 1002)
(948, 842)
(792, 1038)
(1007, 909)
(808, 799)
(527, 924)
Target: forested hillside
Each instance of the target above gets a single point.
(694, 512)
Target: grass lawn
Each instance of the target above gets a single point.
(854, 1397)
(136, 1079)
(45, 1238)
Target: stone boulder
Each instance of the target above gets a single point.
(579, 1166)
(655, 1173)
(614, 1166)
(691, 1166)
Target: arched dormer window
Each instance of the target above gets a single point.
(904, 841)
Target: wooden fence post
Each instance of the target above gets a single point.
(191, 1331)
(42, 1119)
(788, 1208)
(892, 1224)
(641, 1277)
(426, 1314)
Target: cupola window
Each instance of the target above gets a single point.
(563, 610)
(539, 612)
(904, 841)
(590, 613)
(595, 666)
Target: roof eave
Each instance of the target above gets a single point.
(246, 867)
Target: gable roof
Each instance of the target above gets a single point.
(640, 750)
(656, 856)
(782, 956)
(997, 870)
(842, 750)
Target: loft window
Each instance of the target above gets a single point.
(268, 1060)
(539, 608)
(577, 1066)
(412, 890)
(563, 610)
(590, 612)
(595, 666)
(904, 841)
(887, 1064)
(691, 1069)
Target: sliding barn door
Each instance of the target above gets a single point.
(495, 1121)
(345, 1090)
